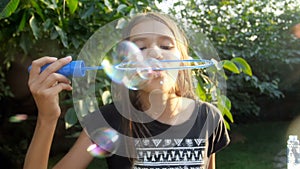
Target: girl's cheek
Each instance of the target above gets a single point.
(171, 55)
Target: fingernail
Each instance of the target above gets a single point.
(68, 58)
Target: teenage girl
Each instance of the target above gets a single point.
(184, 132)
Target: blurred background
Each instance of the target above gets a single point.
(263, 92)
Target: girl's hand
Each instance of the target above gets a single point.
(45, 86)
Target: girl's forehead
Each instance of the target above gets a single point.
(151, 27)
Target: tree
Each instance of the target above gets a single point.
(257, 31)
(32, 29)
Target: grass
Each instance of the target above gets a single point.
(259, 148)
(253, 146)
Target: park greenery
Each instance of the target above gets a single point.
(259, 32)
(252, 38)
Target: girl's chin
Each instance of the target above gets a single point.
(162, 84)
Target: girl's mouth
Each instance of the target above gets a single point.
(156, 74)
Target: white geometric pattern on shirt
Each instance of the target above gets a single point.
(169, 153)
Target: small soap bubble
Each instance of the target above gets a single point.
(18, 118)
(106, 142)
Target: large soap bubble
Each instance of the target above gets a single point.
(133, 69)
(139, 76)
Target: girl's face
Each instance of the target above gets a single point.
(157, 42)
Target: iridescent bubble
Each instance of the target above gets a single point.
(106, 142)
(124, 68)
(135, 68)
(18, 118)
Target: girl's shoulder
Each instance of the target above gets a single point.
(209, 111)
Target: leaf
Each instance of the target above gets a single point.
(224, 105)
(227, 124)
(34, 27)
(121, 7)
(62, 35)
(75, 42)
(72, 4)
(243, 65)
(9, 9)
(121, 23)
(38, 9)
(22, 23)
(108, 5)
(47, 24)
(88, 12)
(229, 65)
(70, 118)
(106, 97)
(25, 42)
(225, 101)
(200, 92)
(225, 111)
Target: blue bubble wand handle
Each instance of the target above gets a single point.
(74, 69)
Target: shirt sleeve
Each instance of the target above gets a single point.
(220, 137)
(217, 133)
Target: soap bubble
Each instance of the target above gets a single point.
(18, 118)
(147, 71)
(134, 69)
(129, 71)
(106, 142)
(128, 57)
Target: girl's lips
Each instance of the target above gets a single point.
(157, 73)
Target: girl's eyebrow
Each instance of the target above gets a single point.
(136, 38)
(166, 38)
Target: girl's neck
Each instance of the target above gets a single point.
(163, 107)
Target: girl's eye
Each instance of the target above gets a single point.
(143, 48)
(167, 47)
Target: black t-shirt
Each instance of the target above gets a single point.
(183, 146)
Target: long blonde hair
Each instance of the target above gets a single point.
(184, 84)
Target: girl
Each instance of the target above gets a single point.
(176, 130)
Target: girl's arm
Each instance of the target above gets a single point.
(212, 161)
(77, 157)
(45, 87)
(38, 151)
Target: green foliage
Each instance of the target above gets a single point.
(248, 33)
(209, 90)
(8, 7)
(26, 25)
(244, 33)
(57, 21)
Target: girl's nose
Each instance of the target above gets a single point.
(154, 53)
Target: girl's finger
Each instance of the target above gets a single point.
(60, 87)
(37, 64)
(55, 66)
(55, 78)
